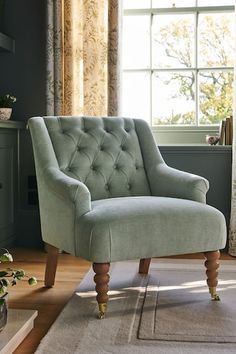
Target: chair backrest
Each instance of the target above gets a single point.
(103, 153)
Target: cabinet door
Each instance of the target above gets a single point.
(7, 190)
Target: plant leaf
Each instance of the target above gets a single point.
(3, 273)
(6, 257)
(3, 289)
(32, 281)
(20, 273)
(5, 282)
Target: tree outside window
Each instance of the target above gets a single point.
(187, 65)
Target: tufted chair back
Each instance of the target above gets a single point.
(103, 153)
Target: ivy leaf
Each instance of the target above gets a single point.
(6, 257)
(3, 290)
(3, 298)
(32, 281)
(3, 273)
(19, 274)
(5, 282)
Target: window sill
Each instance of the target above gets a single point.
(195, 149)
(183, 135)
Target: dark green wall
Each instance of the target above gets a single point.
(23, 73)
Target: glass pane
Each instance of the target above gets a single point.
(215, 96)
(173, 98)
(173, 3)
(173, 41)
(136, 4)
(215, 2)
(136, 95)
(216, 39)
(136, 43)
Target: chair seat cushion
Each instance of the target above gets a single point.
(141, 227)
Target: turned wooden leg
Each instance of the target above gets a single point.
(51, 265)
(212, 264)
(101, 279)
(144, 264)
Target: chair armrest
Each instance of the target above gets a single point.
(173, 183)
(68, 188)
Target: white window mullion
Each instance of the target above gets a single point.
(196, 71)
(151, 69)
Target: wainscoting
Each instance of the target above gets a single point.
(211, 162)
(9, 178)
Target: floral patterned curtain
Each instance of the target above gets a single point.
(54, 92)
(83, 57)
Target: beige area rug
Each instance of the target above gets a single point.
(166, 312)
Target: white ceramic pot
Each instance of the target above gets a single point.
(5, 113)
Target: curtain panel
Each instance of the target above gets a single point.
(83, 57)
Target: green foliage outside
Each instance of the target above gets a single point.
(215, 86)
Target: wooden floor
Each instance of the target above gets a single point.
(49, 302)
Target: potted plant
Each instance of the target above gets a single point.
(9, 276)
(6, 102)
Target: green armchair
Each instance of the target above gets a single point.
(106, 195)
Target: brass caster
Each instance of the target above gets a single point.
(102, 311)
(214, 295)
(101, 315)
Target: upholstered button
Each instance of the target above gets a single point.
(101, 148)
(128, 186)
(122, 147)
(107, 187)
(115, 166)
(78, 148)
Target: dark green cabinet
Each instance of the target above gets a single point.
(9, 139)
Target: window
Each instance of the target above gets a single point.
(178, 59)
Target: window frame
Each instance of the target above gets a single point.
(213, 128)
